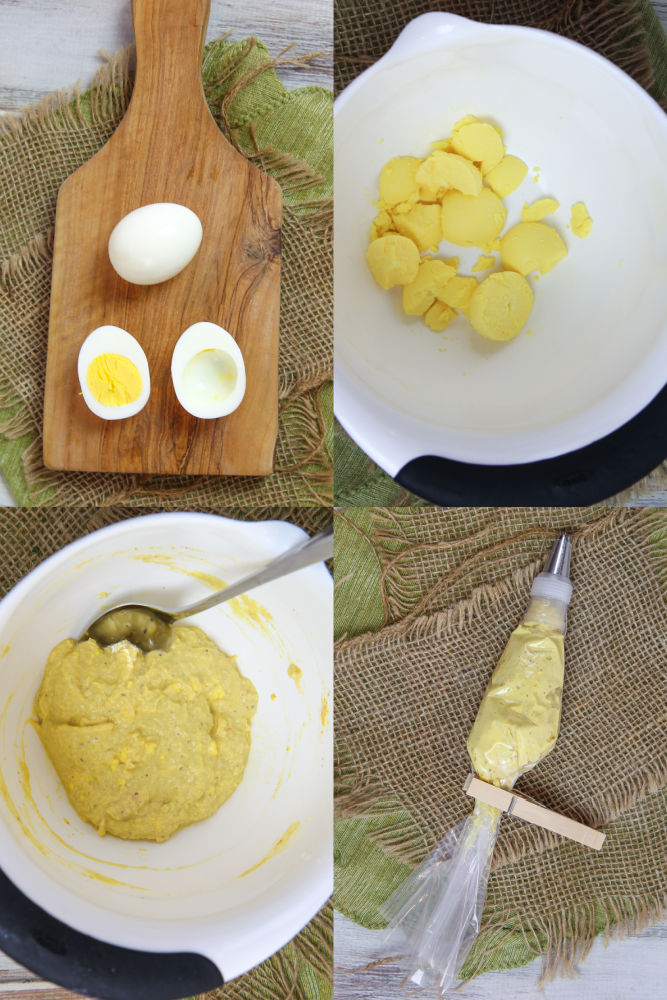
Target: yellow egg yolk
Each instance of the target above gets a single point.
(113, 380)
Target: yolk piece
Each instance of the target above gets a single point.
(483, 263)
(439, 316)
(429, 195)
(381, 224)
(397, 181)
(531, 246)
(211, 374)
(443, 144)
(421, 225)
(113, 380)
(393, 260)
(501, 305)
(539, 209)
(462, 122)
(453, 262)
(580, 221)
(507, 176)
(472, 222)
(458, 293)
(432, 277)
(480, 142)
(449, 170)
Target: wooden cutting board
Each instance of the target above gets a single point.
(167, 148)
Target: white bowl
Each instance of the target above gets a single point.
(239, 885)
(597, 353)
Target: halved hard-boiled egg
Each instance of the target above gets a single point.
(208, 372)
(154, 242)
(113, 373)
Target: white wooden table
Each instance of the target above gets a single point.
(634, 967)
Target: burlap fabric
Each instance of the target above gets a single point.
(288, 134)
(302, 970)
(625, 31)
(448, 586)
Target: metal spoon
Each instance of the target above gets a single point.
(152, 628)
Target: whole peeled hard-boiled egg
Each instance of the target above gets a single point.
(113, 373)
(153, 243)
(208, 372)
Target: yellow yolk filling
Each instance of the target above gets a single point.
(113, 380)
(518, 720)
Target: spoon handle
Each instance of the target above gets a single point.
(305, 553)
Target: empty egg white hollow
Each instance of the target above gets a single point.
(208, 371)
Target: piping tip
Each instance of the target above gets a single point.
(558, 562)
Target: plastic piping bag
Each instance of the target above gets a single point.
(438, 909)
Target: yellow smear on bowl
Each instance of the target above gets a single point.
(277, 848)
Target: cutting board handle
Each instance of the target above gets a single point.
(169, 35)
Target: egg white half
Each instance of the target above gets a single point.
(208, 386)
(113, 340)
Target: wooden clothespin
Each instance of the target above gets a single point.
(516, 805)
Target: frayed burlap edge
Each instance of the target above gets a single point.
(564, 938)
(109, 94)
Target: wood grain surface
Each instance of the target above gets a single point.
(167, 149)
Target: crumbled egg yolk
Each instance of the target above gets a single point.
(531, 246)
(393, 260)
(580, 221)
(456, 193)
(501, 305)
(113, 380)
(539, 209)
